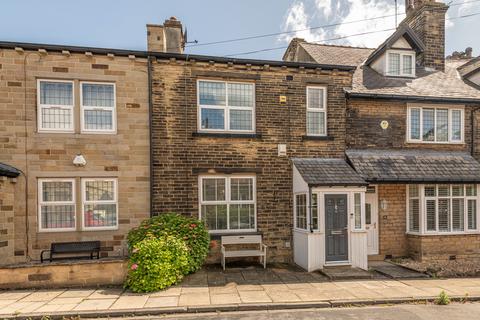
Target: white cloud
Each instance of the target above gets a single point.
(307, 14)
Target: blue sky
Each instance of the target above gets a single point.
(121, 23)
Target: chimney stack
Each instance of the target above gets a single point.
(427, 19)
(168, 37)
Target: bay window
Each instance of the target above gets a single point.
(435, 125)
(226, 106)
(316, 111)
(228, 203)
(442, 208)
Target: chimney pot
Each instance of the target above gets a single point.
(168, 37)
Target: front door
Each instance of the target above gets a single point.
(371, 220)
(336, 228)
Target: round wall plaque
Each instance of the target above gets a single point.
(384, 124)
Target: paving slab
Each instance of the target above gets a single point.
(346, 273)
(227, 298)
(395, 271)
(162, 302)
(254, 297)
(95, 304)
(194, 299)
(110, 293)
(130, 302)
(76, 293)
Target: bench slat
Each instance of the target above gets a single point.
(244, 253)
(247, 239)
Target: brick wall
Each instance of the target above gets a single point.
(124, 155)
(7, 202)
(180, 156)
(442, 247)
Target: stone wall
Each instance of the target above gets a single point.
(180, 154)
(7, 231)
(123, 155)
(64, 275)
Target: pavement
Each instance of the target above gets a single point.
(397, 312)
(239, 289)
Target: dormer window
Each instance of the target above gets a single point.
(400, 63)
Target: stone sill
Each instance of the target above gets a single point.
(318, 138)
(227, 135)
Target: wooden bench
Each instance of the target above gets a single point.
(88, 247)
(244, 240)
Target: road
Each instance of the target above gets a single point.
(469, 311)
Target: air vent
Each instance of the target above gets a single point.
(289, 78)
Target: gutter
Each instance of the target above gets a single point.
(410, 97)
(167, 55)
(150, 130)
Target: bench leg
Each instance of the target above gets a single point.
(223, 262)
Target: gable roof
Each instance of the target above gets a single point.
(327, 172)
(338, 55)
(8, 171)
(414, 165)
(470, 68)
(403, 31)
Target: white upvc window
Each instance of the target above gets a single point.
(55, 105)
(301, 211)
(228, 203)
(99, 204)
(316, 111)
(98, 107)
(435, 125)
(400, 63)
(226, 106)
(442, 208)
(56, 205)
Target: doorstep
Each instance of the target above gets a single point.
(345, 273)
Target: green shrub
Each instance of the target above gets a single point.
(191, 230)
(443, 299)
(156, 263)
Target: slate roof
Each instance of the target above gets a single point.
(469, 68)
(414, 166)
(336, 55)
(327, 172)
(427, 84)
(8, 171)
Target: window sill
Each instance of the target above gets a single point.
(435, 142)
(473, 232)
(318, 138)
(227, 135)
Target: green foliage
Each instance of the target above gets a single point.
(156, 263)
(190, 230)
(443, 299)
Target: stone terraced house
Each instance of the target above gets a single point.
(335, 155)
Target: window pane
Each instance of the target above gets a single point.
(394, 64)
(315, 98)
(213, 119)
(241, 189)
(431, 215)
(56, 93)
(413, 191)
(213, 189)
(57, 216)
(471, 190)
(444, 215)
(428, 124)
(315, 211)
(56, 118)
(368, 213)
(241, 120)
(315, 122)
(472, 214)
(57, 191)
(442, 125)
(457, 190)
(415, 124)
(212, 93)
(414, 215)
(100, 215)
(443, 190)
(97, 95)
(215, 216)
(458, 214)
(430, 191)
(407, 64)
(242, 216)
(240, 94)
(98, 119)
(456, 125)
(301, 211)
(357, 211)
(98, 190)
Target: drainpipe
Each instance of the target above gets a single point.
(310, 208)
(473, 130)
(150, 121)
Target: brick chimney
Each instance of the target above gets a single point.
(427, 19)
(168, 37)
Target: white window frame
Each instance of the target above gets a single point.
(53, 106)
(307, 211)
(84, 108)
(228, 200)
(402, 53)
(226, 108)
(317, 110)
(423, 216)
(92, 202)
(435, 108)
(41, 203)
